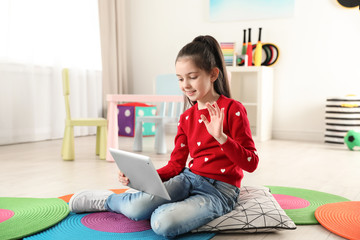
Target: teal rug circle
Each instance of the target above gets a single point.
(71, 228)
(31, 215)
(306, 216)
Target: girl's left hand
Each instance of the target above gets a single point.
(123, 179)
(215, 126)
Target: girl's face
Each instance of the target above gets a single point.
(195, 83)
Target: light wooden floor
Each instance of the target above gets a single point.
(37, 170)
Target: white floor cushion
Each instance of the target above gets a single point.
(256, 211)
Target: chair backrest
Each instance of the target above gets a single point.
(168, 84)
(66, 91)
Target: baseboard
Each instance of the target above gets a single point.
(294, 135)
(40, 134)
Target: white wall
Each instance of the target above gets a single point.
(319, 52)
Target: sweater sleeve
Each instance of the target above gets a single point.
(240, 147)
(178, 157)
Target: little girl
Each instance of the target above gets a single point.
(215, 132)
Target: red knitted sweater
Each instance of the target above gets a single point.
(208, 158)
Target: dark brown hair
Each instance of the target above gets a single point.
(206, 54)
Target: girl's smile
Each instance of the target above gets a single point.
(190, 93)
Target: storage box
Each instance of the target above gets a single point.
(342, 114)
(127, 115)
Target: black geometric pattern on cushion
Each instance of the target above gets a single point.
(256, 211)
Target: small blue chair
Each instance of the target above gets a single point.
(167, 84)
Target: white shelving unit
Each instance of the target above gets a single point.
(253, 87)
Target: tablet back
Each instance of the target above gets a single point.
(140, 171)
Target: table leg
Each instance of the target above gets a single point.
(112, 140)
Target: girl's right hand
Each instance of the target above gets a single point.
(214, 125)
(123, 179)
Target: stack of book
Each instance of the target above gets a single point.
(228, 50)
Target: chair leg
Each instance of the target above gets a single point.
(160, 141)
(156, 141)
(68, 150)
(137, 147)
(98, 140)
(102, 142)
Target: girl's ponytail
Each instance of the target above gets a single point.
(222, 84)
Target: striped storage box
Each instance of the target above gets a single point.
(341, 115)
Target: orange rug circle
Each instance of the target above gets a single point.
(342, 218)
(66, 198)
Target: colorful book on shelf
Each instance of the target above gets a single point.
(228, 50)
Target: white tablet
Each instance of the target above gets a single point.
(141, 172)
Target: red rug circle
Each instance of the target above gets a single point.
(5, 214)
(114, 222)
(342, 218)
(291, 202)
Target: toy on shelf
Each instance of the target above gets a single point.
(240, 59)
(271, 54)
(258, 51)
(259, 54)
(352, 139)
(244, 60)
(349, 3)
(243, 50)
(249, 49)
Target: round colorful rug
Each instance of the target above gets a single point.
(300, 204)
(106, 225)
(20, 217)
(341, 218)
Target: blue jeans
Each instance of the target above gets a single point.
(195, 201)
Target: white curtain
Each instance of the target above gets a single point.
(113, 47)
(37, 39)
